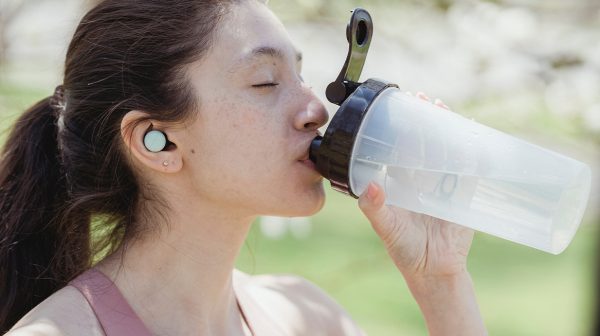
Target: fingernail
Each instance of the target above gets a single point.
(371, 191)
(441, 104)
(422, 96)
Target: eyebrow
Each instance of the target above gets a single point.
(271, 52)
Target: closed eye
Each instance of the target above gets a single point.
(264, 85)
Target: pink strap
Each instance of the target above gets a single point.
(117, 318)
(112, 310)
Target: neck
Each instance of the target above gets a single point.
(179, 281)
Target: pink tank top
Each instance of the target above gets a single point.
(117, 318)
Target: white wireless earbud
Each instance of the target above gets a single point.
(155, 141)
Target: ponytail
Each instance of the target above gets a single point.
(40, 250)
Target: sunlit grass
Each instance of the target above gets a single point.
(14, 101)
(521, 291)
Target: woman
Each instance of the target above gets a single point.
(219, 82)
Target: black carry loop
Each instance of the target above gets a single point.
(358, 33)
(332, 152)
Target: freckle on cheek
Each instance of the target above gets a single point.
(193, 151)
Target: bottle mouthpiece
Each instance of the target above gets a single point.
(314, 148)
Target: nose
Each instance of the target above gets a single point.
(313, 114)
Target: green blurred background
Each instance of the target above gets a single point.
(529, 68)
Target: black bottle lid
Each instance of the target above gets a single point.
(332, 152)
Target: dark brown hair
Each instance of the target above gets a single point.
(56, 182)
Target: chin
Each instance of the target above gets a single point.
(316, 208)
(305, 205)
(317, 202)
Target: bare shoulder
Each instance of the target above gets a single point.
(299, 305)
(65, 312)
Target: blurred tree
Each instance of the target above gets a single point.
(92, 3)
(9, 10)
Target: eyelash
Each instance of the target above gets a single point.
(265, 85)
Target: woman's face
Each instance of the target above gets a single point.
(248, 148)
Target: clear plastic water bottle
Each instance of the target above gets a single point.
(433, 161)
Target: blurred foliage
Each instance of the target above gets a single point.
(307, 10)
(319, 10)
(533, 113)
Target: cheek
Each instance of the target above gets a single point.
(252, 130)
(244, 159)
(240, 143)
(240, 120)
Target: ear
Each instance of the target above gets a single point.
(134, 126)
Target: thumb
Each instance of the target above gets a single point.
(371, 202)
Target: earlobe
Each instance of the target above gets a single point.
(149, 143)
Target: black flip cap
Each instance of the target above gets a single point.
(358, 33)
(331, 153)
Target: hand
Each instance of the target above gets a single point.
(420, 245)
(431, 254)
